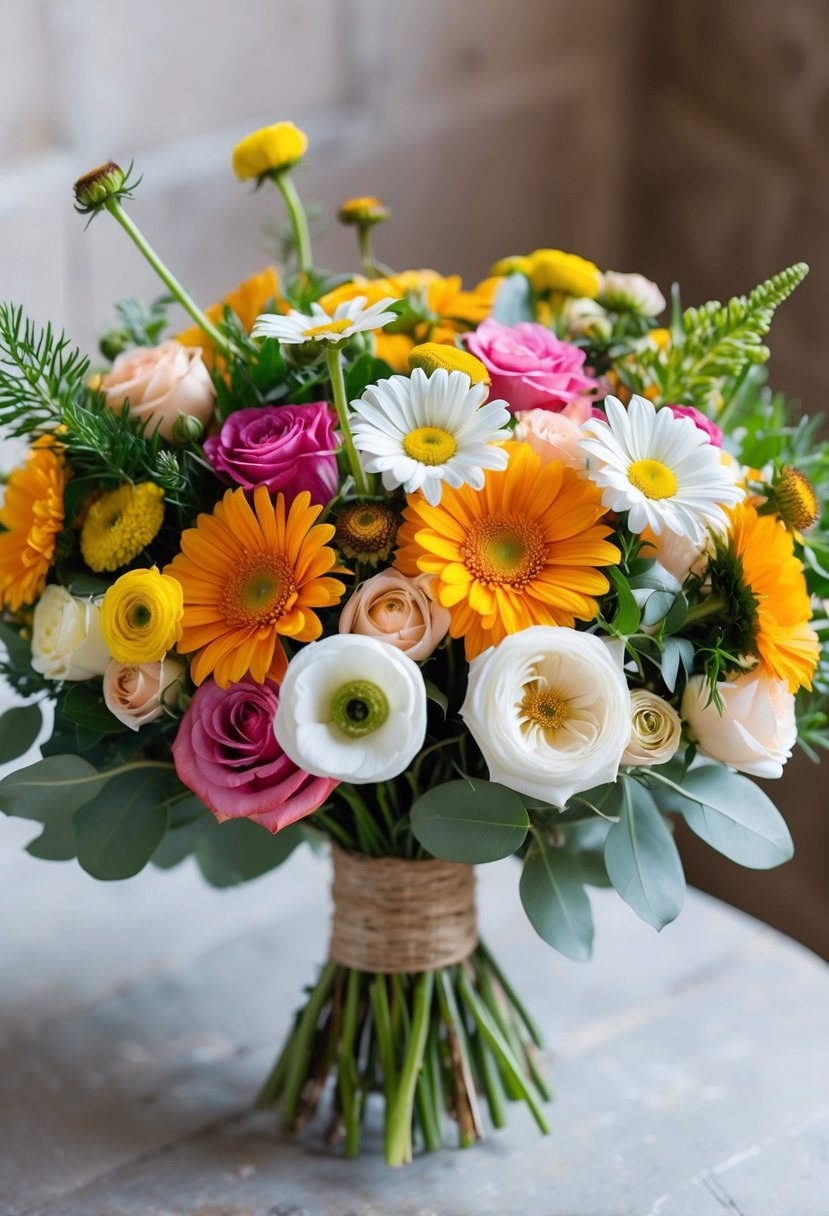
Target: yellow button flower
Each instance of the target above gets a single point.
(363, 211)
(269, 150)
(141, 616)
(553, 270)
(432, 355)
(120, 524)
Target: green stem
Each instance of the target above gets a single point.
(399, 1114)
(349, 1083)
(708, 607)
(366, 253)
(167, 277)
(302, 1039)
(298, 218)
(512, 996)
(335, 371)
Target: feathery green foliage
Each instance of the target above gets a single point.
(41, 373)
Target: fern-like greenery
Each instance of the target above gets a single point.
(713, 346)
(40, 373)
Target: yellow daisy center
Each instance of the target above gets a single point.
(505, 549)
(260, 591)
(653, 478)
(430, 445)
(545, 708)
(330, 327)
(797, 502)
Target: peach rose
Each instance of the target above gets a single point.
(134, 694)
(160, 383)
(397, 610)
(554, 436)
(756, 731)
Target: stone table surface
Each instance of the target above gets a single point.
(137, 1019)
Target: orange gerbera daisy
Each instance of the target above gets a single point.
(249, 575)
(523, 551)
(448, 308)
(771, 589)
(32, 512)
(247, 300)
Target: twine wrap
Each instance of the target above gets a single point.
(398, 916)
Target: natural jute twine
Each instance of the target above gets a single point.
(393, 915)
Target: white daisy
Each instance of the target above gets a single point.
(662, 469)
(422, 431)
(349, 318)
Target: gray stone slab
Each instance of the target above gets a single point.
(137, 1020)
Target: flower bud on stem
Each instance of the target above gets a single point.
(297, 217)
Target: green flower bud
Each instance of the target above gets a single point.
(304, 354)
(113, 342)
(95, 187)
(187, 429)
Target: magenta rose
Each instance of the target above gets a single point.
(288, 448)
(699, 420)
(227, 754)
(530, 368)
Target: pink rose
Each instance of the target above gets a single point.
(529, 366)
(555, 436)
(700, 420)
(288, 448)
(134, 694)
(398, 610)
(161, 382)
(227, 754)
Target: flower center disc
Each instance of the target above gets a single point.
(505, 549)
(653, 478)
(330, 327)
(545, 708)
(429, 445)
(139, 616)
(358, 708)
(259, 593)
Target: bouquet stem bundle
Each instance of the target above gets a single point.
(431, 1043)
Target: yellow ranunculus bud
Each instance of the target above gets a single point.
(363, 211)
(141, 616)
(515, 264)
(553, 270)
(269, 150)
(432, 355)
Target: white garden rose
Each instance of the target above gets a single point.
(550, 710)
(66, 637)
(655, 730)
(632, 292)
(756, 731)
(352, 708)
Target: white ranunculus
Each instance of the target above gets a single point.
(632, 292)
(756, 731)
(655, 730)
(66, 637)
(585, 318)
(352, 708)
(550, 710)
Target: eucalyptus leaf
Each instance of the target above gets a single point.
(50, 788)
(733, 815)
(470, 821)
(626, 620)
(83, 703)
(57, 840)
(557, 905)
(513, 301)
(120, 829)
(642, 859)
(19, 728)
(657, 606)
(238, 850)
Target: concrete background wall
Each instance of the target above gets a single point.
(689, 140)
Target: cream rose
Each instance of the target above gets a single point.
(555, 436)
(397, 610)
(137, 694)
(756, 731)
(160, 383)
(66, 637)
(550, 710)
(655, 730)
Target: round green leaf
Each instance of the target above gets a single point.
(557, 905)
(642, 859)
(19, 728)
(120, 829)
(470, 821)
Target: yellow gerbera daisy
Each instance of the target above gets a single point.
(453, 309)
(248, 300)
(523, 551)
(120, 524)
(759, 555)
(32, 513)
(249, 575)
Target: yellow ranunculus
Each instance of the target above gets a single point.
(433, 355)
(553, 270)
(141, 616)
(363, 211)
(269, 150)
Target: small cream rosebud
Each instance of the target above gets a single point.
(187, 429)
(96, 186)
(655, 730)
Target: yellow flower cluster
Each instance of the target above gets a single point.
(120, 524)
(551, 270)
(433, 355)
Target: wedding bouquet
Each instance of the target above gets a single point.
(436, 575)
